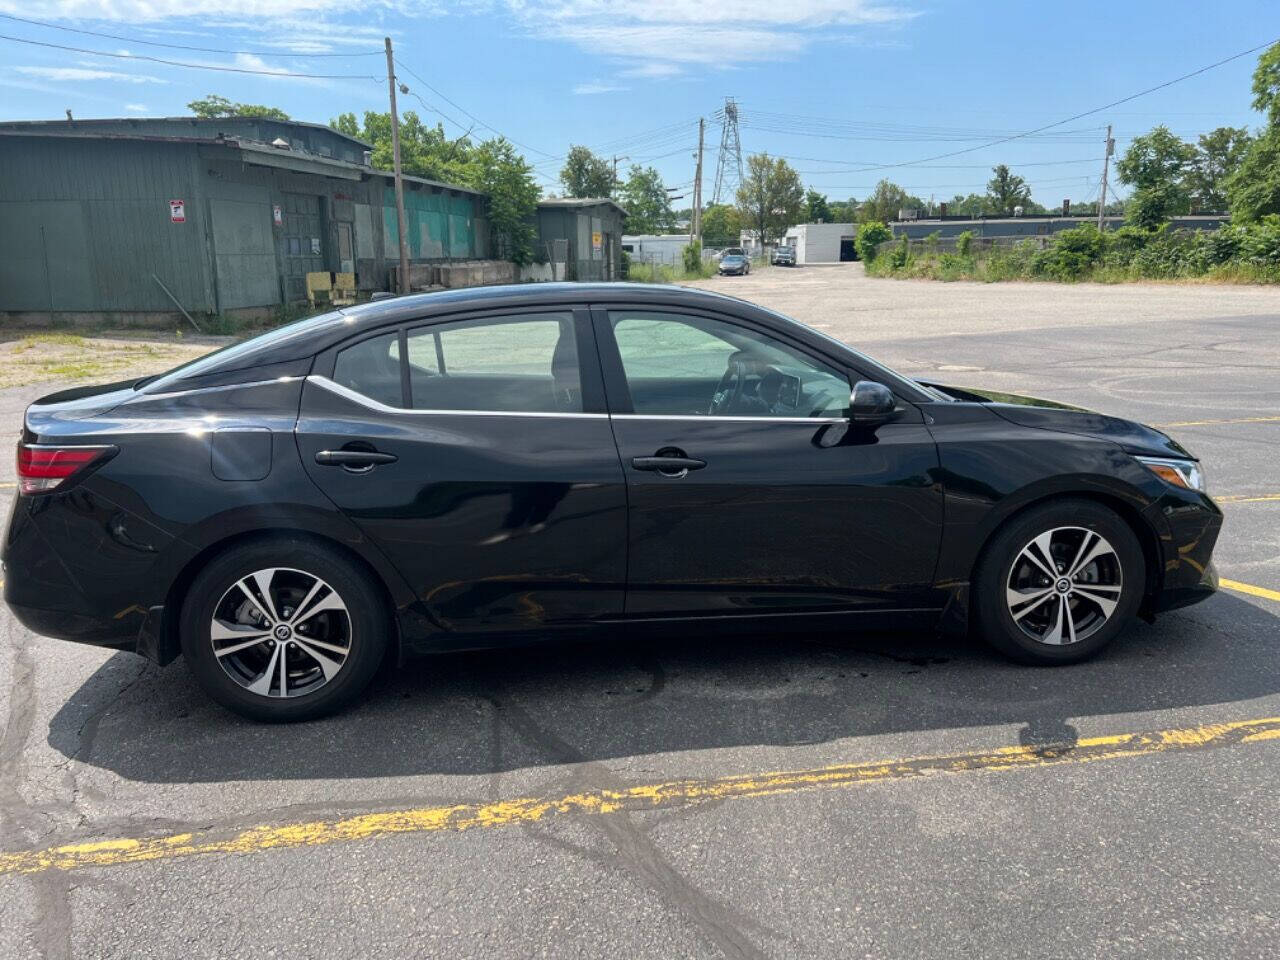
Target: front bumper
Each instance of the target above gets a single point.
(1187, 525)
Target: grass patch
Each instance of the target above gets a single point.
(71, 359)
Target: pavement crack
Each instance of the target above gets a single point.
(634, 852)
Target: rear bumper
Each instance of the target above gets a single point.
(76, 627)
(75, 568)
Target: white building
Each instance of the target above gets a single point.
(655, 247)
(822, 242)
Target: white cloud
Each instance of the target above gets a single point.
(147, 11)
(660, 38)
(596, 86)
(650, 70)
(136, 108)
(68, 74)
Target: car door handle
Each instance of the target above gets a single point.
(354, 459)
(667, 464)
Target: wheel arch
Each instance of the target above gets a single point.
(1148, 537)
(168, 646)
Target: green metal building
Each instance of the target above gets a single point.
(101, 217)
(582, 238)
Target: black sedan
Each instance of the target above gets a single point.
(734, 264)
(477, 468)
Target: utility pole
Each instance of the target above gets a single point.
(697, 188)
(616, 158)
(1102, 200)
(395, 153)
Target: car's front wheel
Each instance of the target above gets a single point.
(283, 629)
(1059, 582)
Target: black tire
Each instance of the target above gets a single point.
(367, 626)
(995, 621)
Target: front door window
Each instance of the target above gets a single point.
(679, 365)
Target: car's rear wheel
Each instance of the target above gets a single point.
(1059, 582)
(283, 629)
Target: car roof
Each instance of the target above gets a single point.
(305, 338)
(290, 349)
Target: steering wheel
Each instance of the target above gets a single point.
(729, 389)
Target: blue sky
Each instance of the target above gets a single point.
(833, 85)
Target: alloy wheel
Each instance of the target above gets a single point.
(1064, 585)
(281, 632)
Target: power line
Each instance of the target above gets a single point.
(1086, 113)
(180, 46)
(467, 113)
(198, 66)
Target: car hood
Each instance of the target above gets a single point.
(1130, 436)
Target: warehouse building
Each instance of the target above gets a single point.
(130, 217)
(581, 238)
(655, 247)
(822, 242)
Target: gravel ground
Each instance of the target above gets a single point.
(1163, 855)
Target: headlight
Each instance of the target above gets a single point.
(1180, 473)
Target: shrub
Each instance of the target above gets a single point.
(964, 243)
(900, 255)
(693, 258)
(1070, 253)
(870, 235)
(626, 264)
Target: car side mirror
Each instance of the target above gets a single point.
(872, 403)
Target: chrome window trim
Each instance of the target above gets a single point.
(699, 418)
(221, 386)
(356, 397)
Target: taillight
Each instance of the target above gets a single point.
(42, 467)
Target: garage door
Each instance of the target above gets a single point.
(301, 248)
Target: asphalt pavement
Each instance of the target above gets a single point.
(779, 795)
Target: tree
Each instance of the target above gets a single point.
(425, 151)
(1266, 85)
(216, 106)
(507, 179)
(493, 167)
(1217, 156)
(1007, 190)
(819, 211)
(771, 197)
(1155, 165)
(1254, 189)
(844, 211)
(885, 202)
(586, 175)
(644, 196)
(974, 204)
(721, 225)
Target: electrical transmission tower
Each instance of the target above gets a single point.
(729, 162)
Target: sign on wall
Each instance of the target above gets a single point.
(277, 215)
(177, 211)
(597, 241)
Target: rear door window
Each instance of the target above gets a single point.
(527, 363)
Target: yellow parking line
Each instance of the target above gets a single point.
(1245, 498)
(1250, 589)
(7, 486)
(1214, 423)
(637, 799)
